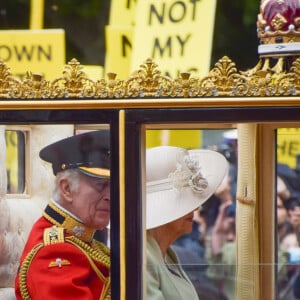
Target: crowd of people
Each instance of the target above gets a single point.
(213, 239)
(214, 245)
(288, 229)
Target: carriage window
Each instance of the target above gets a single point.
(76, 154)
(15, 161)
(211, 268)
(288, 212)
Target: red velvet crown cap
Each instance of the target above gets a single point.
(278, 27)
(281, 14)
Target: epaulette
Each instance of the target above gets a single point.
(53, 235)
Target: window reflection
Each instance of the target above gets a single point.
(208, 253)
(288, 212)
(15, 161)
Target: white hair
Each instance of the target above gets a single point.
(72, 175)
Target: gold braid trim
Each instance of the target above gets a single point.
(24, 270)
(100, 253)
(107, 292)
(97, 251)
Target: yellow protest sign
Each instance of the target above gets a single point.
(118, 49)
(177, 35)
(34, 51)
(179, 138)
(288, 146)
(37, 8)
(12, 163)
(122, 12)
(93, 72)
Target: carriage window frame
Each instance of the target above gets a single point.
(264, 116)
(128, 120)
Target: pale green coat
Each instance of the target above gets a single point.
(162, 283)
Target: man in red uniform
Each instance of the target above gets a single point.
(62, 259)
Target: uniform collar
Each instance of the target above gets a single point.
(62, 218)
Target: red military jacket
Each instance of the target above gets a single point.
(57, 264)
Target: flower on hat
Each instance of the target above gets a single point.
(188, 173)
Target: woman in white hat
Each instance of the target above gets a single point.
(178, 182)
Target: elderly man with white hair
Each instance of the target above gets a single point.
(62, 259)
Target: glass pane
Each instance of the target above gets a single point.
(288, 213)
(205, 248)
(15, 161)
(67, 196)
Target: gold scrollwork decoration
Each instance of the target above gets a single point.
(148, 82)
(8, 84)
(224, 80)
(185, 86)
(73, 84)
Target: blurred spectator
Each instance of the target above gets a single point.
(221, 254)
(195, 241)
(223, 192)
(207, 290)
(212, 207)
(288, 175)
(284, 226)
(288, 246)
(290, 179)
(194, 266)
(228, 148)
(294, 252)
(222, 251)
(282, 189)
(289, 241)
(285, 234)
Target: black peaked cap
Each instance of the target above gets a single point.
(86, 150)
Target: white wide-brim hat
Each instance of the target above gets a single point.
(179, 181)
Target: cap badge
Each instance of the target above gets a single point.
(59, 263)
(78, 231)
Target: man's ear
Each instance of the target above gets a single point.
(65, 189)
